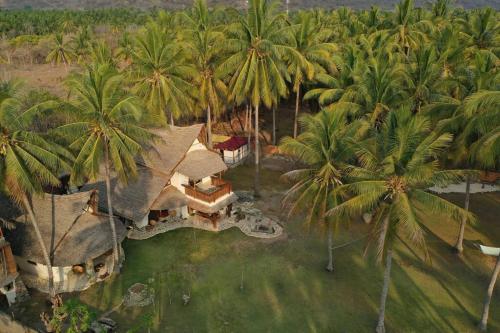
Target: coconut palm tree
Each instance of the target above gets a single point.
(313, 55)
(204, 45)
(161, 76)
(407, 30)
(257, 44)
(106, 130)
(422, 76)
(483, 324)
(61, 51)
(323, 146)
(28, 162)
(80, 43)
(397, 164)
(480, 29)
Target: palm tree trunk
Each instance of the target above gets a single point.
(171, 118)
(209, 127)
(249, 128)
(486, 307)
(34, 223)
(257, 153)
(116, 253)
(274, 126)
(296, 120)
(385, 290)
(329, 267)
(459, 245)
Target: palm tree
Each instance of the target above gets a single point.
(106, 130)
(81, 43)
(408, 30)
(313, 54)
(422, 76)
(160, 74)
(487, 300)
(125, 48)
(204, 44)
(257, 44)
(397, 164)
(28, 162)
(61, 52)
(480, 29)
(323, 147)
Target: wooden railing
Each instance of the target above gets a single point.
(223, 188)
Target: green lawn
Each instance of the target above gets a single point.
(241, 284)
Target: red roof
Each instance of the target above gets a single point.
(232, 144)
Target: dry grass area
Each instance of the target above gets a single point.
(45, 76)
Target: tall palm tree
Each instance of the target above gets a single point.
(160, 74)
(397, 164)
(204, 45)
(61, 51)
(482, 114)
(323, 147)
(28, 162)
(257, 44)
(313, 55)
(106, 130)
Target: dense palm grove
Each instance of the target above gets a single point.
(398, 102)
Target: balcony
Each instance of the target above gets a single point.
(209, 192)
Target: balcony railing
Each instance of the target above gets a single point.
(217, 189)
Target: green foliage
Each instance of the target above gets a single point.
(72, 317)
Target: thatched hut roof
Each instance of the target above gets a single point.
(169, 198)
(131, 200)
(134, 199)
(201, 163)
(71, 233)
(173, 145)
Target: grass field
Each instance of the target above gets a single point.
(240, 284)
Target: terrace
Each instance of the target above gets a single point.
(210, 191)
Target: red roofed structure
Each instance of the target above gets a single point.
(234, 150)
(232, 144)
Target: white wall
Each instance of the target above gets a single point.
(177, 180)
(197, 145)
(40, 270)
(239, 154)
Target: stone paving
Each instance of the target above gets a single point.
(245, 217)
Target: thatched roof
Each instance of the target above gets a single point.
(71, 233)
(174, 143)
(205, 208)
(134, 199)
(201, 163)
(170, 198)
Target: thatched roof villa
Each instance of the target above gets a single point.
(179, 176)
(77, 236)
